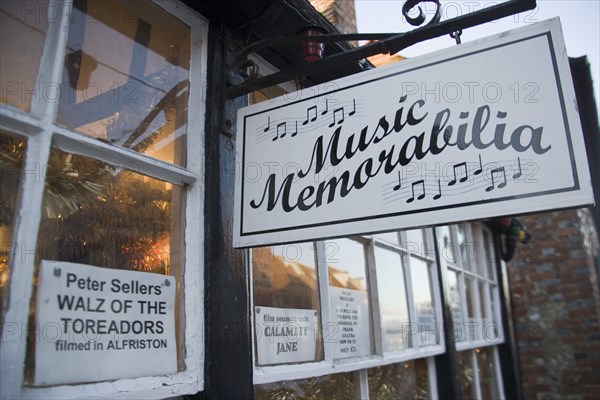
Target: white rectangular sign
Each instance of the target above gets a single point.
(483, 129)
(285, 335)
(350, 312)
(97, 324)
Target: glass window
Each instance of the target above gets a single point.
(380, 305)
(487, 374)
(97, 214)
(121, 72)
(126, 77)
(470, 287)
(464, 250)
(415, 241)
(23, 25)
(467, 377)
(338, 386)
(455, 297)
(286, 304)
(349, 300)
(390, 237)
(424, 305)
(392, 300)
(384, 310)
(403, 381)
(12, 154)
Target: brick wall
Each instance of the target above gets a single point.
(340, 13)
(554, 288)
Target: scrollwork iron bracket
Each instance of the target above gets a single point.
(385, 43)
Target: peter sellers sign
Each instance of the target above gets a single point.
(99, 324)
(483, 129)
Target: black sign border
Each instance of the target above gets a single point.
(575, 187)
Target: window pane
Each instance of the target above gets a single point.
(470, 299)
(126, 77)
(487, 374)
(349, 301)
(483, 302)
(392, 300)
(423, 298)
(455, 305)
(23, 26)
(464, 258)
(286, 295)
(12, 157)
(497, 331)
(465, 367)
(390, 237)
(445, 244)
(328, 387)
(97, 214)
(489, 254)
(415, 241)
(408, 381)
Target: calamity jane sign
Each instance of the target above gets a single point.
(482, 129)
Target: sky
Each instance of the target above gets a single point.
(580, 21)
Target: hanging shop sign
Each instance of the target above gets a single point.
(285, 335)
(97, 324)
(479, 130)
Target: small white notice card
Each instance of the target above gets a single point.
(99, 324)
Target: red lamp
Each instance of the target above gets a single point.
(312, 51)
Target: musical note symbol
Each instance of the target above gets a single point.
(399, 185)
(421, 196)
(518, 174)
(313, 108)
(326, 107)
(439, 194)
(354, 108)
(296, 131)
(268, 124)
(284, 131)
(501, 185)
(341, 109)
(480, 167)
(464, 178)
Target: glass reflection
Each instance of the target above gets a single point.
(464, 255)
(423, 298)
(455, 304)
(126, 77)
(465, 367)
(445, 244)
(489, 255)
(415, 241)
(390, 237)
(12, 157)
(348, 299)
(392, 300)
(285, 277)
(406, 381)
(470, 300)
(97, 214)
(487, 376)
(23, 27)
(329, 387)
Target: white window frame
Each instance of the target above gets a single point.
(276, 373)
(40, 132)
(475, 239)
